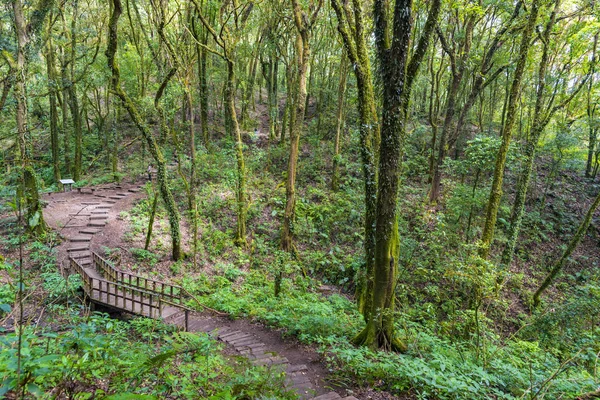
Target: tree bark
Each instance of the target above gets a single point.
(392, 44)
(496, 190)
(52, 88)
(343, 72)
(303, 54)
(161, 175)
(29, 185)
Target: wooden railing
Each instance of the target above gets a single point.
(173, 294)
(120, 296)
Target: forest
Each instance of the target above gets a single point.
(299, 199)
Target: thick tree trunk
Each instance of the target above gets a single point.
(358, 53)
(392, 43)
(29, 186)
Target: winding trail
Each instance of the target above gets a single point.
(88, 221)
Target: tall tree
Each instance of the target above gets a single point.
(543, 112)
(511, 114)
(351, 25)
(25, 32)
(304, 24)
(458, 55)
(233, 19)
(161, 174)
(591, 107)
(398, 73)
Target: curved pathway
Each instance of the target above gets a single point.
(83, 217)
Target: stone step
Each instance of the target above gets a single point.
(133, 190)
(122, 194)
(244, 342)
(99, 224)
(299, 379)
(114, 198)
(110, 201)
(80, 215)
(85, 261)
(274, 360)
(232, 338)
(224, 334)
(77, 256)
(96, 217)
(90, 231)
(296, 368)
(89, 203)
(76, 239)
(99, 212)
(79, 248)
(104, 207)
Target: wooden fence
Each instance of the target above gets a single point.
(117, 295)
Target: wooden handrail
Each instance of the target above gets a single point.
(146, 301)
(173, 293)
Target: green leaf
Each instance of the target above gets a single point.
(34, 389)
(34, 220)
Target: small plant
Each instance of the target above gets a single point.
(144, 256)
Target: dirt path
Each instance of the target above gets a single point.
(88, 220)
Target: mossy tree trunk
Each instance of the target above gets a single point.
(352, 31)
(511, 113)
(304, 24)
(52, 93)
(161, 174)
(458, 62)
(543, 113)
(392, 44)
(339, 124)
(240, 236)
(591, 111)
(227, 40)
(29, 185)
(73, 99)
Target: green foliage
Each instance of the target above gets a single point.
(147, 257)
(58, 287)
(436, 368)
(179, 365)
